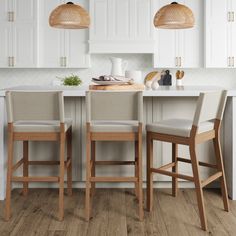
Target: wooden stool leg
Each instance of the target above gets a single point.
(149, 173)
(174, 169)
(9, 174)
(220, 166)
(140, 178)
(25, 166)
(62, 173)
(93, 171)
(198, 186)
(136, 167)
(69, 157)
(88, 175)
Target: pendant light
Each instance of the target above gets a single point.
(69, 16)
(174, 16)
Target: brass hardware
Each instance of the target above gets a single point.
(12, 16)
(176, 61)
(9, 16)
(229, 16)
(61, 61)
(229, 61)
(65, 61)
(9, 61)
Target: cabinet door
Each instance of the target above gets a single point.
(5, 32)
(190, 41)
(76, 45)
(217, 34)
(232, 53)
(52, 40)
(99, 19)
(24, 33)
(165, 45)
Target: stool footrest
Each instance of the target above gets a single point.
(17, 165)
(114, 163)
(200, 162)
(211, 178)
(172, 174)
(113, 179)
(36, 179)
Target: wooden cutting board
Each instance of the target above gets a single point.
(123, 87)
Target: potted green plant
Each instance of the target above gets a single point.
(71, 80)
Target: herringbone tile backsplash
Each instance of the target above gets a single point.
(101, 65)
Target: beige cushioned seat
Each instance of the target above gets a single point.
(40, 125)
(178, 127)
(114, 126)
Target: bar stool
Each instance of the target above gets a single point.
(204, 127)
(37, 116)
(113, 116)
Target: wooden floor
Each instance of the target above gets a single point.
(115, 213)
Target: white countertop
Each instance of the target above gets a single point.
(162, 91)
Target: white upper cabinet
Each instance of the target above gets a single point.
(121, 26)
(18, 27)
(218, 35)
(180, 48)
(60, 48)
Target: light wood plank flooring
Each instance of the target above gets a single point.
(115, 212)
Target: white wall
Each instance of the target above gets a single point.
(101, 65)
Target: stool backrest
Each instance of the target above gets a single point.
(34, 106)
(210, 106)
(114, 105)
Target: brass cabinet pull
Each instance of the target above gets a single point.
(11, 16)
(9, 61)
(229, 61)
(61, 61)
(229, 16)
(65, 61)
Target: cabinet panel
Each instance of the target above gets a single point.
(24, 46)
(51, 42)
(217, 33)
(99, 13)
(191, 40)
(165, 52)
(5, 45)
(121, 26)
(24, 10)
(233, 33)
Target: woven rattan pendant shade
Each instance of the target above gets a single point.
(174, 16)
(69, 16)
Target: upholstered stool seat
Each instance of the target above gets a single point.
(178, 127)
(40, 125)
(114, 126)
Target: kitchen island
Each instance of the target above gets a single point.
(163, 103)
